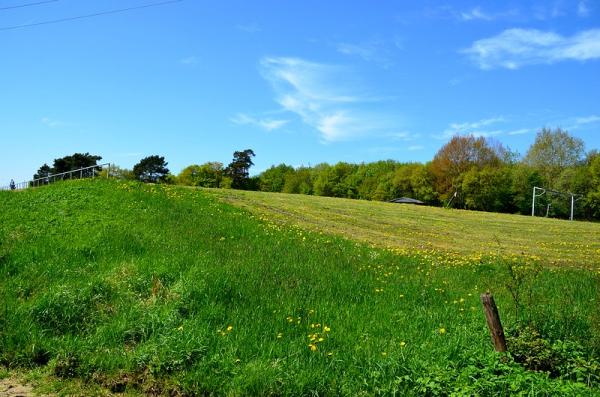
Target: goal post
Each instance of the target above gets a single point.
(539, 191)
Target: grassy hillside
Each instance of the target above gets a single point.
(448, 235)
(167, 290)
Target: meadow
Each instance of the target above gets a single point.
(111, 287)
(449, 235)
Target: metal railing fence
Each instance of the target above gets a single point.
(80, 173)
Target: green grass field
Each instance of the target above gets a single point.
(118, 287)
(459, 236)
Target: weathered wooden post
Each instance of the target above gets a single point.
(493, 322)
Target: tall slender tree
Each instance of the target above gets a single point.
(238, 169)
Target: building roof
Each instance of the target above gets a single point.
(406, 200)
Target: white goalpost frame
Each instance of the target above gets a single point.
(572, 195)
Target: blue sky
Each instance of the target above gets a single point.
(299, 82)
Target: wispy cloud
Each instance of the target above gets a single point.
(192, 60)
(376, 51)
(520, 131)
(415, 148)
(587, 120)
(476, 128)
(475, 13)
(515, 48)
(326, 97)
(403, 136)
(249, 28)
(266, 124)
(583, 10)
(548, 10)
(52, 123)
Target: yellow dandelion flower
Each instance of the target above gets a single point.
(442, 331)
(402, 344)
(326, 328)
(312, 347)
(229, 328)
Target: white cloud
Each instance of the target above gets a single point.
(520, 131)
(266, 124)
(587, 120)
(515, 48)
(403, 136)
(52, 123)
(477, 128)
(548, 10)
(475, 13)
(249, 28)
(366, 51)
(376, 51)
(582, 9)
(192, 60)
(327, 98)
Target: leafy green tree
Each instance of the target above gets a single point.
(574, 180)
(206, 175)
(333, 181)
(458, 156)
(403, 180)
(592, 198)
(118, 173)
(385, 190)
(552, 152)
(421, 182)
(369, 176)
(273, 179)
(151, 169)
(299, 181)
(488, 189)
(238, 169)
(524, 178)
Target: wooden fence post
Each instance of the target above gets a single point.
(493, 322)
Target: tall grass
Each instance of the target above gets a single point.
(166, 290)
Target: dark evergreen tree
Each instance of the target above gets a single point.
(69, 163)
(238, 169)
(151, 169)
(43, 172)
(74, 162)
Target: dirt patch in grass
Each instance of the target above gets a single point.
(10, 387)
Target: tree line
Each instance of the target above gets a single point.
(468, 172)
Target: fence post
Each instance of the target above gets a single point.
(493, 322)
